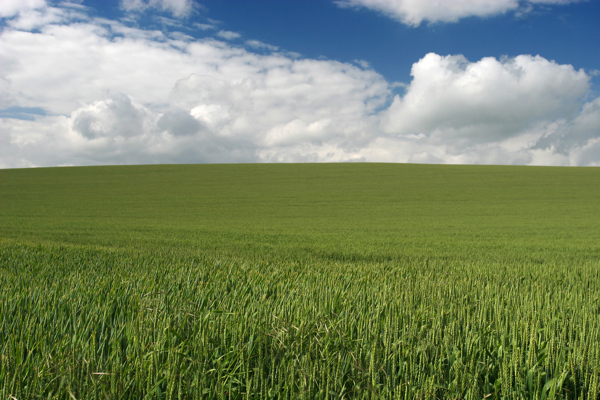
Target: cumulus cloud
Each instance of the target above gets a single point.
(113, 117)
(10, 8)
(32, 14)
(127, 94)
(522, 110)
(179, 123)
(97, 91)
(568, 134)
(453, 100)
(414, 12)
(6, 99)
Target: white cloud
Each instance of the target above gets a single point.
(204, 27)
(113, 94)
(260, 45)
(363, 64)
(33, 14)
(522, 110)
(414, 12)
(132, 95)
(6, 99)
(453, 100)
(10, 8)
(116, 116)
(179, 123)
(179, 8)
(228, 35)
(578, 132)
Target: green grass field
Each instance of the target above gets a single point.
(300, 281)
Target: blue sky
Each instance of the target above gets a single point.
(182, 81)
(321, 28)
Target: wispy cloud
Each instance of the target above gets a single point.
(228, 35)
(178, 8)
(260, 45)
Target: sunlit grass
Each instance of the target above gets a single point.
(300, 281)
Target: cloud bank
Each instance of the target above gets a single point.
(414, 12)
(77, 90)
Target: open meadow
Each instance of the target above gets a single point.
(300, 281)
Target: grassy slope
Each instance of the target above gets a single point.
(351, 211)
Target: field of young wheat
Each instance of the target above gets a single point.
(311, 281)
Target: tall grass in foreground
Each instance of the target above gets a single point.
(80, 322)
(328, 281)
